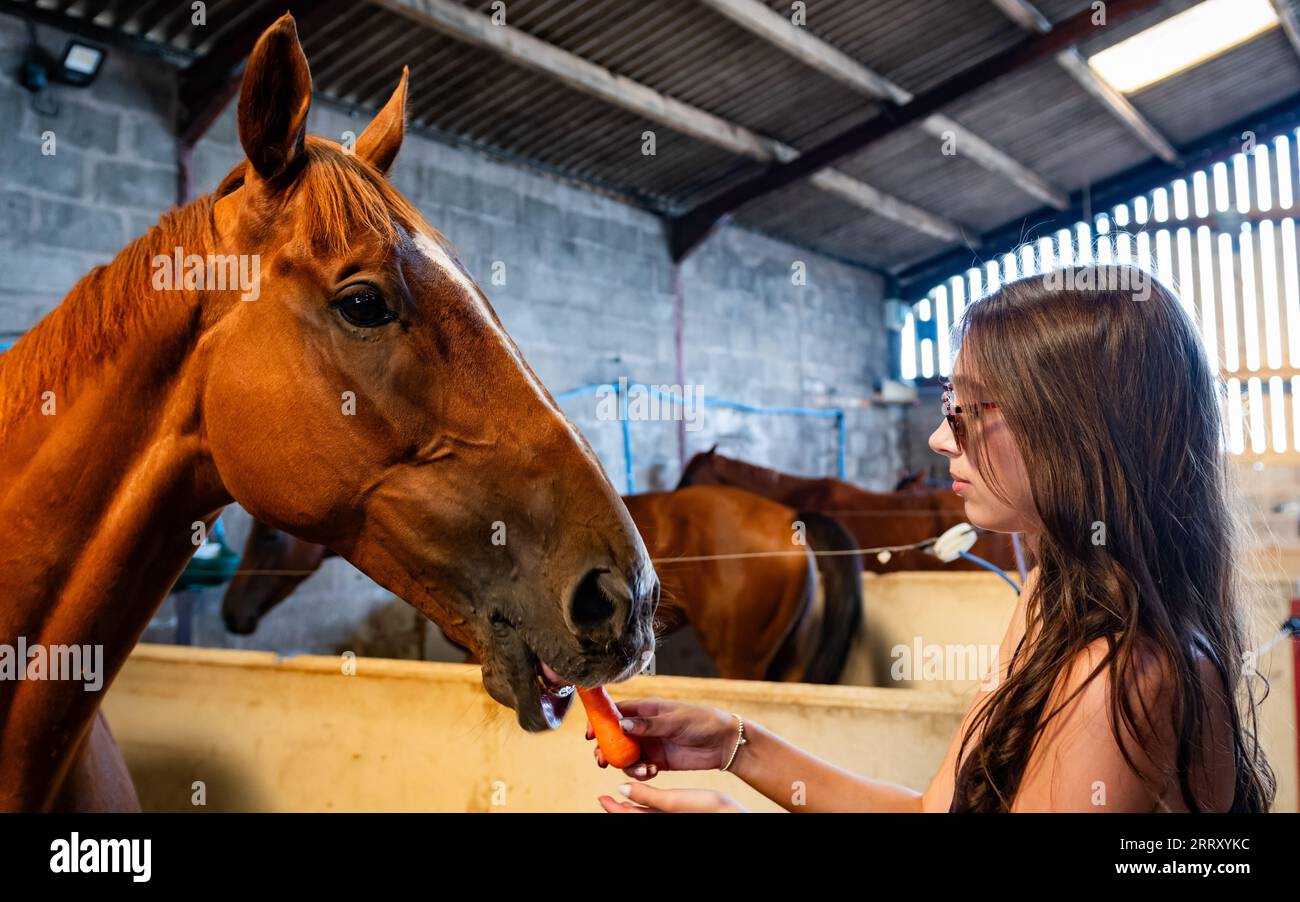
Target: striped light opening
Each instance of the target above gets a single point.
(1224, 240)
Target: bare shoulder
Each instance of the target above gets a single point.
(1085, 757)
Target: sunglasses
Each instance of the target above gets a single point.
(953, 413)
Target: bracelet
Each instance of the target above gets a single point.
(740, 740)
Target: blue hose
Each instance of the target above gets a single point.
(987, 566)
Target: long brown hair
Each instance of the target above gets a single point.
(1102, 380)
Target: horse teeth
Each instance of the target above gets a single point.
(559, 691)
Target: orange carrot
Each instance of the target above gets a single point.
(618, 748)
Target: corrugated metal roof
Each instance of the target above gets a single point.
(913, 165)
(708, 62)
(808, 217)
(880, 240)
(915, 43)
(1058, 10)
(1040, 116)
(1243, 80)
(1044, 118)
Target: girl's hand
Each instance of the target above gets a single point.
(673, 736)
(649, 800)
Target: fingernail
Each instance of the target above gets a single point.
(626, 724)
(626, 789)
(640, 770)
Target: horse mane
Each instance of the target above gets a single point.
(114, 303)
(105, 308)
(755, 471)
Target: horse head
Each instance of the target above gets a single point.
(699, 470)
(273, 564)
(369, 400)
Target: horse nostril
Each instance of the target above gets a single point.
(591, 605)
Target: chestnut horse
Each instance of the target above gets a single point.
(367, 399)
(730, 568)
(875, 519)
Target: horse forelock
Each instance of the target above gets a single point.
(348, 198)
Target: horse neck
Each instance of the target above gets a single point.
(98, 500)
(770, 483)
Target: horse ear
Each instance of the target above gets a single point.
(714, 450)
(382, 139)
(274, 100)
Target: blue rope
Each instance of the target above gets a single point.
(987, 566)
(627, 440)
(840, 451)
(834, 413)
(584, 390)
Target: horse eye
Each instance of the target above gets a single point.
(365, 308)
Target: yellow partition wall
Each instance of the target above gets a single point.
(299, 735)
(255, 733)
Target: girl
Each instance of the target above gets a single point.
(1083, 415)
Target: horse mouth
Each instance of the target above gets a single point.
(538, 693)
(555, 693)
(544, 696)
(517, 675)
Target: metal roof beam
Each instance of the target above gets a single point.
(1028, 17)
(524, 50)
(827, 59)
(690, 228)
(1289, 12)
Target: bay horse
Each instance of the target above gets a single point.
(367, 400)
(728, 565)
(875, 519)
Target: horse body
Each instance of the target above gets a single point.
(131, 415)
(729, 563)
(875, 519)
(92, 539)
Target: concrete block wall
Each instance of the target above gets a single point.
(110, 175)
(588, 287)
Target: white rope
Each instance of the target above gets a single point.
(740, 555)
(1287, 630)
